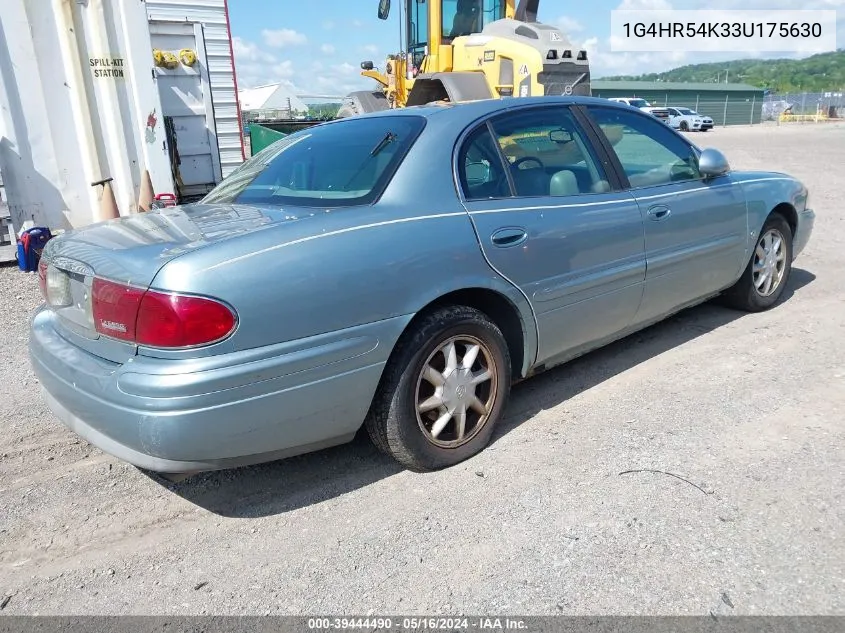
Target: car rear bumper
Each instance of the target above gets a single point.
(216, 412)
(806, 222)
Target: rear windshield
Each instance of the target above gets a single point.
(338, 164)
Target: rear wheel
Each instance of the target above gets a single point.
(767, 273)
(443, 391)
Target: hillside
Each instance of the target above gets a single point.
(825, 71)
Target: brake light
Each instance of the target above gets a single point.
(115, 308)
(168, 320)
(158, 319)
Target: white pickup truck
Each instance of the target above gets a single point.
(642, 104)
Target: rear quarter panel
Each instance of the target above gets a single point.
(335, 269)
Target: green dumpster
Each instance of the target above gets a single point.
(261, 137)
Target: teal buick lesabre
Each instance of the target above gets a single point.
(396, 271)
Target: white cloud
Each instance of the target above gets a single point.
(357, 24)
(283, 70)
(248, 52)
(372, 49)
(339, 80)
(328, 25)
(256, 66)
(283, 37)
(641, 5)
(568, 25)
(328, 49)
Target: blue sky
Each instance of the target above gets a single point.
(317, 48)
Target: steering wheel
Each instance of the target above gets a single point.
(525, 159)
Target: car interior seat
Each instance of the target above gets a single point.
(564, 183)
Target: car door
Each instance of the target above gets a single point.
(674, 117)
(695, 229)
(551, 217)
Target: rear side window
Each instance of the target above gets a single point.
(338, 164)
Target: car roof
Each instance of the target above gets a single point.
(470, 110)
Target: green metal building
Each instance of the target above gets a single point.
(726, 104)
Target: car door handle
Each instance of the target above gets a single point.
(659, 212)
(509, 237)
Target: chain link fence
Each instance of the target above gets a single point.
(786, 105)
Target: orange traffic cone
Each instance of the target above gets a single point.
(108, 203)
(145, 199)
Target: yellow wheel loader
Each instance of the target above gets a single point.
(463, 50)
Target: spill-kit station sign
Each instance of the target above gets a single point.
(107, 67)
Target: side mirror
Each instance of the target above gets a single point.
(383, 9)
(478, 173)
(712, 163)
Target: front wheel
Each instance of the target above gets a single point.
(443, 391)
(767, 272)
(684, 126)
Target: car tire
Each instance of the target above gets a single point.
(403, 420)
(684, 126)
(766, 276)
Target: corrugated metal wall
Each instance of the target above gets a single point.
(212, 15)
(724, 107)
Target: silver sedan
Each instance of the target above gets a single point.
(398, 272)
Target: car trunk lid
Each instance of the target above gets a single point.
(131, 251)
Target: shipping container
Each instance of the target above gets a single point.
(104, 92)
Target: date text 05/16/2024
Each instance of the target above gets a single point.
(418, 624)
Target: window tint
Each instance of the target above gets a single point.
(336, 164)
(480, 166)
(650, 153)
(548, 154)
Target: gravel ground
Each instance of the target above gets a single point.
(747, 409)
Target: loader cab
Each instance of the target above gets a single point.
(432, 23)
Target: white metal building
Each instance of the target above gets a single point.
(213, 16)
(83, 98)
(271, 97)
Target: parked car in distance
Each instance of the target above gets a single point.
(645, 106)
(398, 271)
(688, 120)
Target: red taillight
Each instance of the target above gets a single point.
(166, 320)
(115, 308)
(42, 277)
(158, 319)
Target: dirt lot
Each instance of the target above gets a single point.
(749, 409)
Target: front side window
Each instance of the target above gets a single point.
(337, 164)
(548, 154)
(650, 153)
